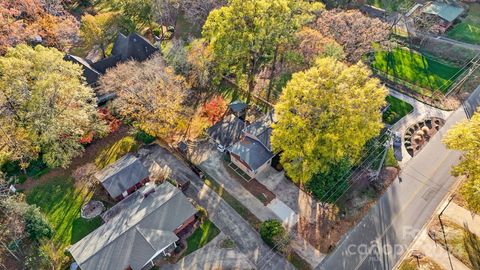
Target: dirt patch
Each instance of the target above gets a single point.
(88, 156)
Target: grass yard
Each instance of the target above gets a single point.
(414, 68)
(424, 263)
(202, 235)
(61, 201)
(398, 109)
(116, 151)
(469, 29)
(391, 5)
(463, 244)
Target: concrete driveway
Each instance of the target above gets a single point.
(212, 256)
(247, 240)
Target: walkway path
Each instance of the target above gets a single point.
(210, 160)
(212, 256)
(221, 214)
(419, 113)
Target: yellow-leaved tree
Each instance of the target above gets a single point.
(151, 94)
(326, 114)
(465, 136)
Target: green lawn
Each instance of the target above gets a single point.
(116, 151)
(413, 68)
(391, 5)
(398, 109)
(61, 201)
(469, 29)
(202, 235)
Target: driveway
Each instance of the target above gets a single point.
(212, 256)
(220, 213)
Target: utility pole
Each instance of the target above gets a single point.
(443, 230)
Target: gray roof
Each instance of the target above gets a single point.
(251, 152)
(128, 47)
(262, 129)
(90, 73)
(227, 131)
(122, 175)
(137, 228)
(133, 46)
(443, 10)
(238, 106)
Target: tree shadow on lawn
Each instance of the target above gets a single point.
(472, 247)
(60, 200)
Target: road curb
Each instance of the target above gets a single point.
(442, 203)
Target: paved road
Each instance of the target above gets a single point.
(385, 233)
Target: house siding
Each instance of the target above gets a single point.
(132, 189)
(185, 224)
(244, 167)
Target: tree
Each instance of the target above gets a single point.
(326, 114)
(353, 30)
(312, 44)
(274, 234)
(175, 55)
(329, 186)
(215, 108)
(36, 225)
(47, 108)
(36, 21)
(99, 30)
(196, 11)
(201, 66)
(464, 136)
(151, 94)
(246, 34)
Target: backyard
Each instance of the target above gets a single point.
(414, 70)
(397, 109)
(395, 5)
(469, 29)
(60, 200)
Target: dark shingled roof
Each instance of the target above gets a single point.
(125, 48)
(251, 152)
(262, 129)
(227, 131)
(138, 228)
(91, 74)
(122, 175)
(238, 106)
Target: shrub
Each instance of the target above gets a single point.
(36, 225)
(202, 213)
(144, 137)
(274, 234)
(328, 187)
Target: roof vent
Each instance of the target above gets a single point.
(149, 189)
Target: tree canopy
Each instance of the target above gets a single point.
(36, 21)
(465, 136)
(325, 114)
(46, 106)
(244, 34)
(99, 30)
(356, 32)
(151, 94)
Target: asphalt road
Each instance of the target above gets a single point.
(385, 233)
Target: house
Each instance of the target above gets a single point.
(239, 109)
(124, 48)
(226, 131)
(123, 177)
(138, 230)
(253, 152)
(442, 14)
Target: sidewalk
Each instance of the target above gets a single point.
(420, 112)
(212, 163)
(462, 217)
